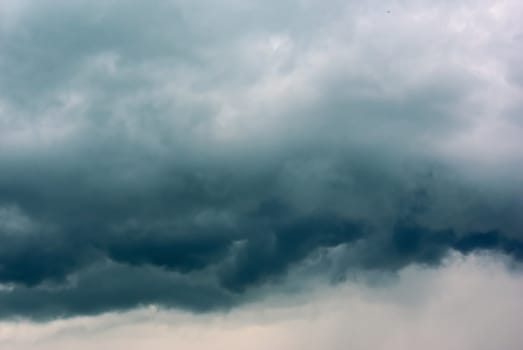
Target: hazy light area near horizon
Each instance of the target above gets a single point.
(285, 174)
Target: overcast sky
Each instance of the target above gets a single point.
(287, 174)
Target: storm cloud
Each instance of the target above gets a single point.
(200, 156)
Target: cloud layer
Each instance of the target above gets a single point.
(201, 156)
(457, 306)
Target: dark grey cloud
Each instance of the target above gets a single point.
(187, 155)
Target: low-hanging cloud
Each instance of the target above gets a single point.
(455, 306)
(189, 156)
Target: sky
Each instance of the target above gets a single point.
(287, 174)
